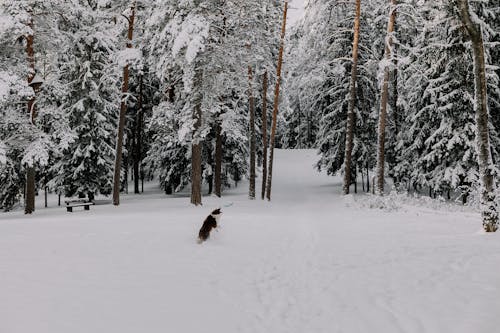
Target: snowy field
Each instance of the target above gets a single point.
(310, 261)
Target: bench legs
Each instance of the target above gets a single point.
(86, 207)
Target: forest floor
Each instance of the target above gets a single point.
(311, 260)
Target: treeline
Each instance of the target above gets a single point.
(400, 90)
(94, 93)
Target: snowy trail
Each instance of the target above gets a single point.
(309, 261)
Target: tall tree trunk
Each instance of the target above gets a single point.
(264, 134)
(489, 208)
(123, 111)
(30, 190)
(367, 178)
(394, 97)
(351, 117)
(251, 190)
(218, 160)
(276, 104)
(355, 179)
(196, 158)
(379, 189)
(142, 179)
(125, 166)
(138, 138)
(171, 186)
(209, 153)
(395, 112)
(196, 173)
(362, 178)
(29, 204)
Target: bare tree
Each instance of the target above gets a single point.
(276, 103)
(123, 111)
(351, 118)
(379, 185)
(489, 209)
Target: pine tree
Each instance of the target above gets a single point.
(489, 207)
(26, 146)
(352, 101)
(85, 167)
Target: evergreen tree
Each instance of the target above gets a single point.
(86, 165)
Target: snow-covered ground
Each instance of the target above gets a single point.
(309, 261)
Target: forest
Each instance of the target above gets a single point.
(197, 94)
(237, 166)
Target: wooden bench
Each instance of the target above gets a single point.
(78, 203)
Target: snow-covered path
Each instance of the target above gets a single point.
(310, 261)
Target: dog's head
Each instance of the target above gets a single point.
(217, 212)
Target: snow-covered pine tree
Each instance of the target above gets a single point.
(436, 149)
(26, 141)
(86, 165)
(14, 124)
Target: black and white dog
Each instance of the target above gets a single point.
(209, 224)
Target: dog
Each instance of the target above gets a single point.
(209, 224)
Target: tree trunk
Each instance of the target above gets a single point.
(138, 138)
(489, 209)
(218, 161)
(196, 173)
(351, 117)
(30, 190)
(142, 179)
(379, 188)
(395, 112)
(210, 181)
(264, 134)
(196, 158)
(362, 178)
(276, 104)
(125, 165)
(251, 190)
(210, 162)
(367, 178)
(123, 111)
(355, 179)
(29, 204)
(394, 98)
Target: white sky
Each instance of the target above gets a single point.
(296, 11)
